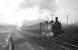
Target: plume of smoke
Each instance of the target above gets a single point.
(42, 4)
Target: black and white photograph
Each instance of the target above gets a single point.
(38, 24)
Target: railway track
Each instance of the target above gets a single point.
(56, 43)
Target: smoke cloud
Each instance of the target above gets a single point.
(42, 4)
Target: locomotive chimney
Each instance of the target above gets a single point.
(56, 19)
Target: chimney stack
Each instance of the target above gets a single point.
(56, 19)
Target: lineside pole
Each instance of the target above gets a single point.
(67, 19)
(11, 46)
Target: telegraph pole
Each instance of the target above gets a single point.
(67, 19)
(75, 21)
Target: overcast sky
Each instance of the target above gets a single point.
(11, 10)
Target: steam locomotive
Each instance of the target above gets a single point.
(50, 29)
